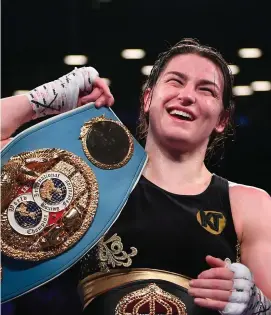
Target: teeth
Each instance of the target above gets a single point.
(180, 113)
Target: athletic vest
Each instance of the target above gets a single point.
(159, 230)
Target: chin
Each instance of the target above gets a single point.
(172, 138)
(175, 134)
(176, 142)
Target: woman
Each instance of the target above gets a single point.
(181, 219)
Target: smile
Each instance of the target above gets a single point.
(181, 115)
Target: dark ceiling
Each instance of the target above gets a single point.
(36, 35)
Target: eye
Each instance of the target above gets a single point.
(174, 80)
(208, 90)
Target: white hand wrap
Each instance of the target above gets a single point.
(62, 94)
(246, 298)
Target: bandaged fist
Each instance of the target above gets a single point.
(100, 94)
(76, 88)
(225, 287)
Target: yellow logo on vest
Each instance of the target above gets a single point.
(212, 221)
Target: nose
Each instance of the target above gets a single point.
(186, 96)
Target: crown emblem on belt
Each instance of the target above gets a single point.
(150, 300)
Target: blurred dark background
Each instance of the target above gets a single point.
(36, 35)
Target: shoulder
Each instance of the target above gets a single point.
(245, 193)
(5, 142)
(251, 206)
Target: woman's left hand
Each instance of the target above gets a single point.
(213, 287)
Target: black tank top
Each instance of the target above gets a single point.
(157, 230)
(161, 230)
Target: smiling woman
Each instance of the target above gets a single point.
(207, 86)
(186, 240)
(197, 91)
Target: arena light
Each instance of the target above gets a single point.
(107, 81)
(146, 70)
(133, 53)
(260, 86)
(242, 90)
(20, 92)
(234, 69)
(75, 60)
(250, 53)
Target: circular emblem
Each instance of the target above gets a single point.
(49, 199)
(107, 143)
(25, 216)
(53, 191)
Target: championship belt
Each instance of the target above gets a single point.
(138, 291)
(63, 183)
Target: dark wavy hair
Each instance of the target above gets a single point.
(191, 46)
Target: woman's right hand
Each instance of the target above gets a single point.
(100, 94)
(78, 87)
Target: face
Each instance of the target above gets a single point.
(186, 103)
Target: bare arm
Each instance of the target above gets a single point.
(215, 288)
(254, 208)
(15, 111)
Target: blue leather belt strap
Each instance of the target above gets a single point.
(115, 186)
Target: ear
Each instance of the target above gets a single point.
(147, 100)
(223, 121)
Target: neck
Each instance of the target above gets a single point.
(177, 171)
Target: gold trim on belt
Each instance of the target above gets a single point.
(99, 283)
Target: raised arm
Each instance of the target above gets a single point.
(79, 87)
(15, 111)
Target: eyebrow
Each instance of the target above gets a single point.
(185, 77)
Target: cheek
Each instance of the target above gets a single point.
(164, 96)
(211, 109)
(161, 98)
